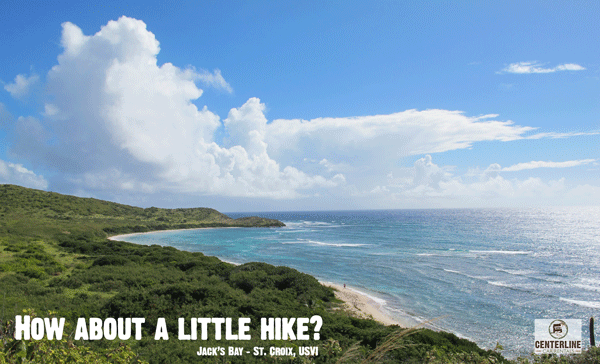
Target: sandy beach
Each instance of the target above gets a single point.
(118, 237)
(361, 305)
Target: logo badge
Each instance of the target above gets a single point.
(557, 336)
(558, 329)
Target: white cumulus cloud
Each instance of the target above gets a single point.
(549, 164)
(21, 87)
(381, 139)
(214, 79)
(537, 67)
(120, 121)
(431, 185)
(19, 175)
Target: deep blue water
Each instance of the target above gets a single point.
(489, 273)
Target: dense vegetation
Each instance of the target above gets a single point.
(55, 259)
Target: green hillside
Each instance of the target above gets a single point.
(20, 206)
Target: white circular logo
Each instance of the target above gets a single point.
(558, 329)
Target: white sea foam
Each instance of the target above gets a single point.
(335, 244)
(590, 304)
(453, 271)
(587, 287)
(377, 300)
(305, 223)
(409, 319)
(508, 252)
(314, 242)
(517, 272)
(500, 284)
(593, 281)
(318, 223)
(465, 274)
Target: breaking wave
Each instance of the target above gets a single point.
(590, 304)
(314, 242)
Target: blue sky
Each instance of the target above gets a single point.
(302, 105)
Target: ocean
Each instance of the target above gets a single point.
(483, 274)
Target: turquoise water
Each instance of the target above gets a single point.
(489, 273)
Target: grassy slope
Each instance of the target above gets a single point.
(55, 255)
(21, 205)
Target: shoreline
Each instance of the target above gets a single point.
(116, 237)
(361, 305)
(356, 303)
